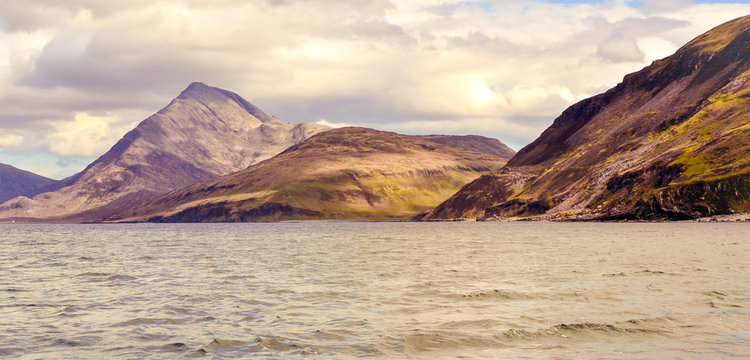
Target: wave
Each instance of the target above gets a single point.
(121, 277)
(645, 272)
(497, 294)
(149, 321)
(99, 276)
(277, 344)
(720, 300)
(222, 343)
(632, 327)
(441, 340)
(422, 341)
(635, 327)
(274, 344)
(93, 274)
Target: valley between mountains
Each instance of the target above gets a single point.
(670, 142)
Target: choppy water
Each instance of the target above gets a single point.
(382, 290)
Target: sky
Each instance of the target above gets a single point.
(75, 76)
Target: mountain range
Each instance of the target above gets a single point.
(671, 141)
(212, 138)
(16, 182)
(202, 134)
(347, 173)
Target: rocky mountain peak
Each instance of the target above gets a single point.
(204, 133)
(200, 95)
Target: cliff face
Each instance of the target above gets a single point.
(16, 182)
(671, 141)
(347, 173)
(203, 133)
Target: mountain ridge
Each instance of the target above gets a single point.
(626, 153)
(346, 173)
(15, 182)
(203, 133)
(477, 143)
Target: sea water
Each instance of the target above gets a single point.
(322, 290)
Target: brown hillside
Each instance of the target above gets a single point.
(347, 173)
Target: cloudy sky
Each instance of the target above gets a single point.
(76, 75)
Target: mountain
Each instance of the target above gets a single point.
(16, 182)
(345, 173)
(480, 144)
(202, 134)
(671, 141)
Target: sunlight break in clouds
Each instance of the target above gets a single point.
(497, 68)
(10, 140)
(85, 136)
(332, 124)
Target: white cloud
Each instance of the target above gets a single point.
(10, 140)
(85, 136)
(655, 48)
(394, 65)
(332, 124)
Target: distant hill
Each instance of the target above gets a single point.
(16, 182)
(672, 141)
(346, 173)
(476, 143)
(204, 133)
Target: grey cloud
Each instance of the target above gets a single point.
(621, 46)
(444, 9)
(648, 26)
(33, 109)
(94, 62)
(353, 108)
(22, 15)
(377, 29)
(620, 49)
(365, 8)
(32, 15)
(662, 6)
(615, 41)
(347, 61)
(478, 41)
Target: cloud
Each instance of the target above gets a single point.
(620, 49)
(85, 136)
(332, 124)
(664, 6)
(10, 140)
(499, 68)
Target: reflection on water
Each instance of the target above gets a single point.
(383, 290)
